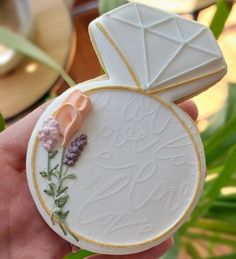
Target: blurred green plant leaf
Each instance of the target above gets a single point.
(220, 142)
(213, 192)
(224, 213)
(215, 121)
(108, 5)
(229, 241)
(27, 48)
(2, 123)
(221, 205)
(217, 129)
(231, 102)
(192, 251)
(230, 256)
(221, 15)
(214, 225)
(80, 255)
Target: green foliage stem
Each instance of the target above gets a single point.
(222, 13)
(2, 123)
(108, 5)
(27, 48)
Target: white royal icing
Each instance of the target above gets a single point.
(142, 171)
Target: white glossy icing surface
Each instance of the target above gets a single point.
(142, 171)
(133, 158)
(163, 49)
(139, 175)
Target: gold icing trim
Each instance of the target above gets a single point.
(158, 90)
(198, 187)
(36, 142)
(109, 38)
(97, 52)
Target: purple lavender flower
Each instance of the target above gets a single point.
(49, 135)
(74, 151)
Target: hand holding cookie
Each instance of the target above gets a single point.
(114, 165)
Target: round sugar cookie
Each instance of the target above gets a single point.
(113, 165)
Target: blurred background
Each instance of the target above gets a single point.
(45, 49)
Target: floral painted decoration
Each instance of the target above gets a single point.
(74, 151)
(63, 124)
(49, 135)
(71, 114)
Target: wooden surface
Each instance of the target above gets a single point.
(30, 81)
(85, 64)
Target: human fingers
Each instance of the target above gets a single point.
(190, 107)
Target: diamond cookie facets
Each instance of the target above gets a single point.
(75, 149)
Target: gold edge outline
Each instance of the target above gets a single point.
(176, 85)
(97, 52)
(35, 183)
(109, 38)
(138, 84)
(190, 207)
(188, 96)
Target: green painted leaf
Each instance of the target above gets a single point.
(54, 171)
(63, 228)
(43, 174)
(52, 154)
(27, 48)
(221, 15)
(2, 123)
(52, 187)
(69, 176)
(108, 5)
(54, 168)
(64, 215)
(48, 192)
(62, 189)
(61, 202)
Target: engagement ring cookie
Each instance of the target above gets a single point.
(113, 165)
